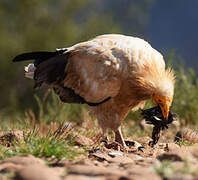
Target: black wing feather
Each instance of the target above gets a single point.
(34, 55)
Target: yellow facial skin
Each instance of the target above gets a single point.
(163, 102)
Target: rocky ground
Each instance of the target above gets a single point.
(167, 160)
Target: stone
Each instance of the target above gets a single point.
(81, 140)
(36, 172)
(23, 160)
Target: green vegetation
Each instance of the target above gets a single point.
(184, 143)
(53, 144)
(51, 109)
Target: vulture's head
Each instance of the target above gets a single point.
(158, 84)
(163, 91)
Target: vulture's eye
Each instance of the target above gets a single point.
(159, 101)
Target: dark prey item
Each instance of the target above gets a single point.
(154, 116)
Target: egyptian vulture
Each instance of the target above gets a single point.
(111, 73)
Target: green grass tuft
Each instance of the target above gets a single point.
(42, 146)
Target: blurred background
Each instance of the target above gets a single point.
(170, 26)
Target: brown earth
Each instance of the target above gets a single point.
(135, 163)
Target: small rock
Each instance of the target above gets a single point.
(81, 140)
(95, 151)
(99, 151)
(115, 153)
(18, 162)
(36, 172)
(138, 158)
(169, 157)
(23, 160)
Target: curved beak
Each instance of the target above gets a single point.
(165, 109)
(164, 104)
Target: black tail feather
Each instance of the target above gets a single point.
(38, 56)
(34, 55)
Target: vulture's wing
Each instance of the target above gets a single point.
(93, 72)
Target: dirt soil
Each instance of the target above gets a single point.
(139, 162)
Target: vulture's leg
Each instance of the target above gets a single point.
(104, 135)
(119, 138)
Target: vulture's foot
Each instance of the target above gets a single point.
(114, 145)
(119, 143)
